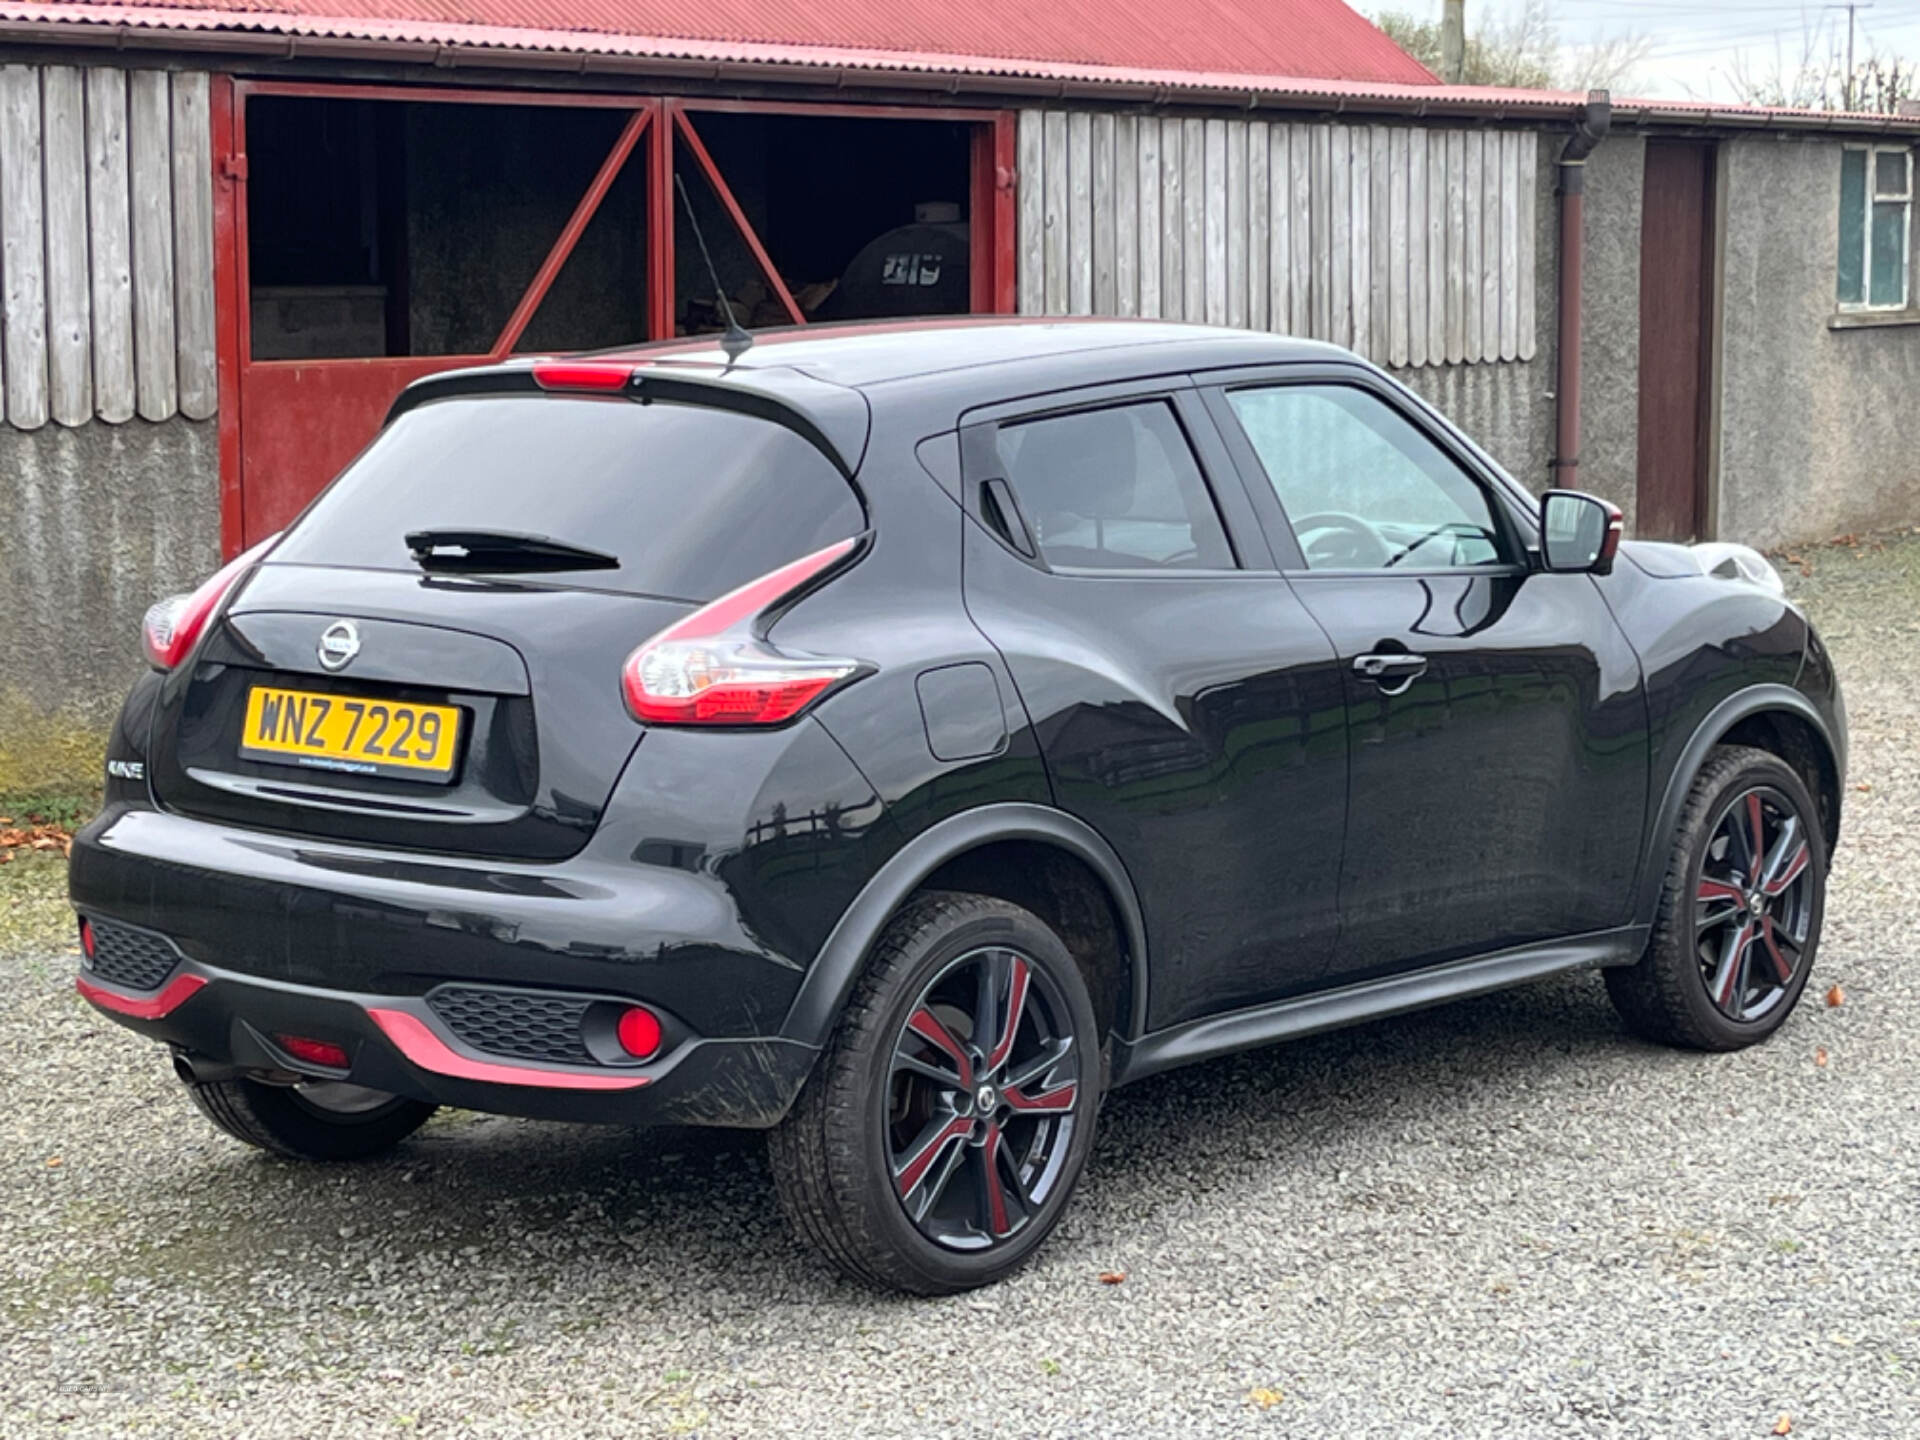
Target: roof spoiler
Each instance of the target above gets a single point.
(831, 418)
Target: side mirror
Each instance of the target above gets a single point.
(1579, 533)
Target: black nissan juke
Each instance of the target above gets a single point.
(892, 738)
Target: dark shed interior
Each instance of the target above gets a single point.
(412, 228)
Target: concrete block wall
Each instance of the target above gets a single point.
(1818, 435)
(96, 522)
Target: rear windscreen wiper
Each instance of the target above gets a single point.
(469, 551)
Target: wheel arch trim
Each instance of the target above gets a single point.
(829, 981)
(1741, 705)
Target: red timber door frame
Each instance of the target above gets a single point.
(1678, 244)
(321, 412)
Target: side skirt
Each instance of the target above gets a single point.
(1371, 1000)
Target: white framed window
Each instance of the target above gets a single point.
(1876, 226)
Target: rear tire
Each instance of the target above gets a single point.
(1720, 971)
(280, 1119)
(933, 1150)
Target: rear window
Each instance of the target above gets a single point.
(693, 501)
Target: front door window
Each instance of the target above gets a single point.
(1363, 488)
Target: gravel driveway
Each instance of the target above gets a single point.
(1503, 1217)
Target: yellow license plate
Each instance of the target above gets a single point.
(351, 733)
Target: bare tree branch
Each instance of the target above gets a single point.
(1525, 51)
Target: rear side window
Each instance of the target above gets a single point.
(1115, 489)
(693, 501)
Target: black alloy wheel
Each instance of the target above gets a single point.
(942, 1132)
(1753, 904)
(1738, 925)
(980, 1112)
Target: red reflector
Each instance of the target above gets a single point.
(712, 669)
(173, 625)
(179, 990)
(582, 375)
(639, 1032)
(86, 937)
(314, 1052)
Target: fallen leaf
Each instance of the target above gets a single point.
(1820, 1057)
(54, 1162)
(1836, 997)
(1264, 1398)
(1864, 788)
(1783, 1426)
(37, 837)
(1113, 1277)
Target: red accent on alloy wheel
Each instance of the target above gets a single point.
(958, 1128)
(1016, 1005)
(995, 1183)
(982, 1099)
(1780, 964)
(1788, 870)
(1753, 898)
(1733, 969)
(1053, 1100)
(927, 1026)
(1720, 890)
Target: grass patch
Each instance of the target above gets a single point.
(34, 918)
(68, 809)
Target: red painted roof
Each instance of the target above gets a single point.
(1322, 39)
(276, 28)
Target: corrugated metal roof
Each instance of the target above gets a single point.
(414, 33)
(1320, 38)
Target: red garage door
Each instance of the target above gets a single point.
(369, 235)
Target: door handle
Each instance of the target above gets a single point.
(1392, 672)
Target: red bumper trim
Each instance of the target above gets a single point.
(178, 991)
(418, 1043)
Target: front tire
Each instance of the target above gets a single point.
(951, 1115)
(1740, 910)
(320, 1122)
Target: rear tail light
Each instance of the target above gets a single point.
(172, 626)
(713, 668)
(86, 937)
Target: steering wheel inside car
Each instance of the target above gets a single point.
(1336, 540)
(1457, 529)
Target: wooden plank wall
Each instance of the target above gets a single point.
(1408, 244)
(106, 245)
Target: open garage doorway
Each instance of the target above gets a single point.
(855, 218)
(367, 236)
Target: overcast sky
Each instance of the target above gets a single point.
(1696, 44)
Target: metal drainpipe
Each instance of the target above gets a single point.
(1588, 132)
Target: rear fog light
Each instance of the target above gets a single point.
(639, 1032)
(314, 1052)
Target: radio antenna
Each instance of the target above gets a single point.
(736, 341)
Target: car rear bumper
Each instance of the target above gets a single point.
(224, 1024)
(246, 936)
